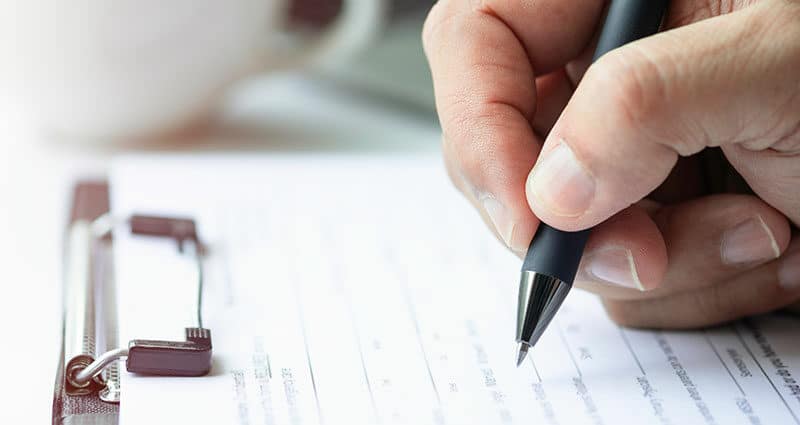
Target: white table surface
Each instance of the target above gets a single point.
(285, 113)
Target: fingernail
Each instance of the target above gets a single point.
(561, 184)
(789, 271)
(613, 265)
(501, 219)
(750, 241)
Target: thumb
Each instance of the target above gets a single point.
(727, 80)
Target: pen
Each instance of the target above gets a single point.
(553, 256)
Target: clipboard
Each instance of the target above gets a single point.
(87, 385)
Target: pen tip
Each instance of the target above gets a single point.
(522, 351)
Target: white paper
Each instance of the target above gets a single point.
(364, 290)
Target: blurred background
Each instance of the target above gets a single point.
(82, 81)
(128, 71)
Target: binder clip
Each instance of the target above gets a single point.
(86, 374)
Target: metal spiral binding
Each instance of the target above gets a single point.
(79, 310)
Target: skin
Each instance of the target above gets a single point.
(515, 89)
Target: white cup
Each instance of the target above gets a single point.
(120, 69)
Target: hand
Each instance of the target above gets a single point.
(616, 146)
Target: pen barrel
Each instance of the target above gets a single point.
(79, 308)
(555, 253)
(627, 21)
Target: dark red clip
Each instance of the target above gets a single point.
(167, 358)
(179, 229)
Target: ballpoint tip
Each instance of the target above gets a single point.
(522, 352)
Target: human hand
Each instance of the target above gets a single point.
(617, 146)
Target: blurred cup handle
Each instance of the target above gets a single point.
(359, 23)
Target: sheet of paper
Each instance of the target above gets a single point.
(364, 290)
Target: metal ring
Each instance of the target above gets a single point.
(82, 377)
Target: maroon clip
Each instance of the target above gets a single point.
(176, 228)
(169, 358)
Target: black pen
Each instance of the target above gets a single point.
(553, 256)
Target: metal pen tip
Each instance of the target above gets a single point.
(540, 296)
(522, 352)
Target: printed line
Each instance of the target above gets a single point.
(357, 333)
(630, 348)
(402, 282)
(266, 394)
(417, 330)
(535, 369)
(301, 317)
(714, 349)
(747, 347)
(337, 281)
(569, 349)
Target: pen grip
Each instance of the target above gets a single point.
(555, 252)
(627, 21)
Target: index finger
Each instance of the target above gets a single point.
(484, 56)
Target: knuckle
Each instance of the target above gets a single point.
(622, 77)
(637, 83)
(687, 12)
